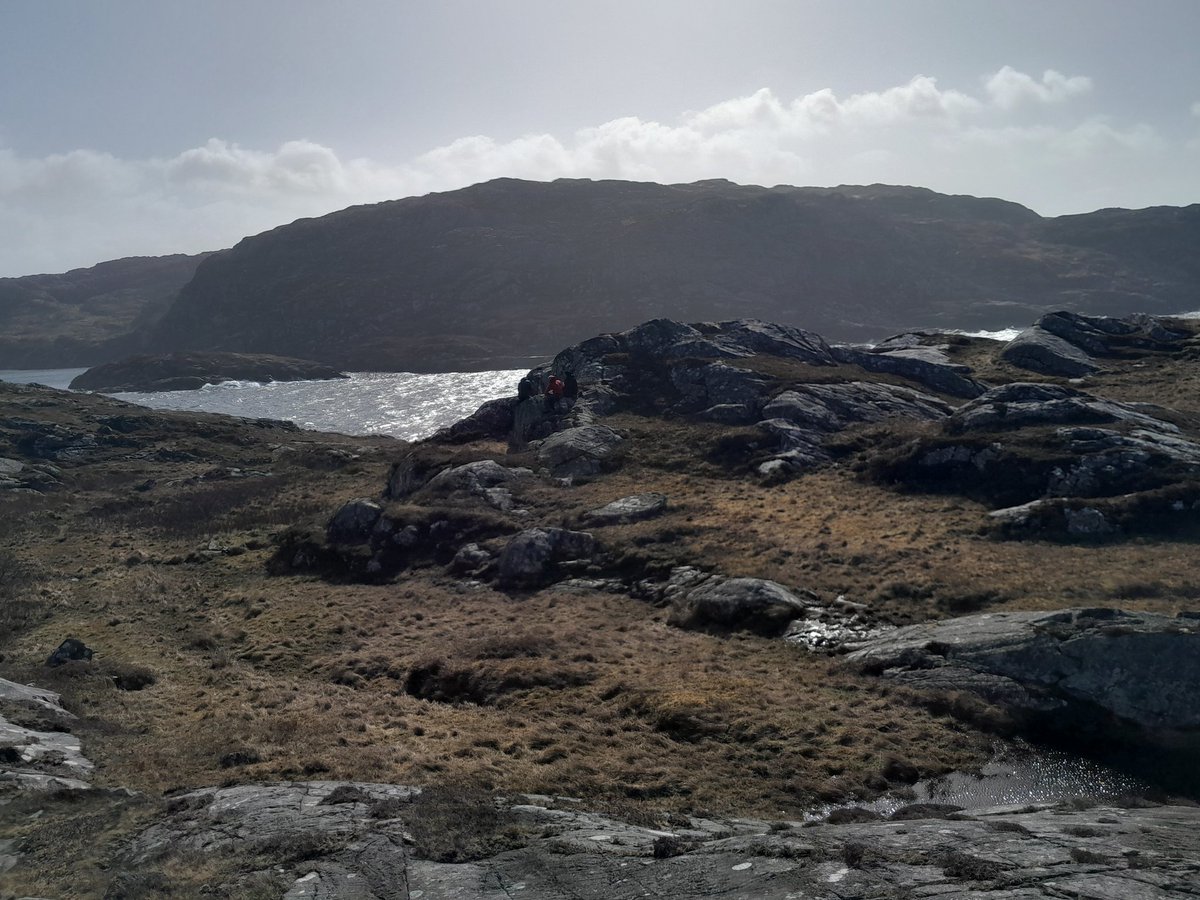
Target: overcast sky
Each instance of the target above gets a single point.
(143, 127)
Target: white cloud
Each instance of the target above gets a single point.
(1009, 88)
(1016, 140)
(1196, 109)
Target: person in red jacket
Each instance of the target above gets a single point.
(554, 392)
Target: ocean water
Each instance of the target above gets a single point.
(399, 404)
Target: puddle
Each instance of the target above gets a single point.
(1016, 776)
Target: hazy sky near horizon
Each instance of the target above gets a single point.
(142, 127)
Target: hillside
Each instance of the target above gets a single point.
(86, 315)
(494, 274)
(746, 572)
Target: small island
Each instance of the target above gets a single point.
(189, 371)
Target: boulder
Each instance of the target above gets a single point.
(354, 522)
(578, 451)
(535, 557)
(70, 650)
(1038, 350)
(749, 604)
(628, 509)
(1104, 673)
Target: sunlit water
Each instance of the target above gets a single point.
(399, 404)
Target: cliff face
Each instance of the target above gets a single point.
(485, 276)
(85, 315)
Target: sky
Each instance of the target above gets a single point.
(146, 127)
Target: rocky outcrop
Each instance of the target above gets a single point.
(1103, 673)
(358, 842)
(19, 476)
(926, 365)
(190, 371)
(1025, 405)
(1022, 445)
(802, 417)
(1064, 343)
(538, 556)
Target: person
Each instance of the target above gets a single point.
(524, 389)
(570, 385)
(554, 392)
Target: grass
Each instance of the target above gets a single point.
(428, 679)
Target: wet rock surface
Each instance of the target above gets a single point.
(1113, 674)
(359, 845)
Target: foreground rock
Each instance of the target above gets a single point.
(1104, 674)
(188, 371)
(366, 841)
(37, 750)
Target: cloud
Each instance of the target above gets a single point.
(1017, 139)
(1009, 88)
(1196, 109)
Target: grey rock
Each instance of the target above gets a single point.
(1025, 404)
(753, 604)
(715, 384)
(924, 365)
(1119, 672)
(578, 451)
(471, 559)
(771, 339)
(406, 476)
(628, 509)
(1038, 350)
(477, 477)
(354, 522)
(70, 650)
(9, 467)
(827, 408)
(44, 760)
(1100, 335)
(536, 556)
(1150, 853)
(493, 419)
(654, 338)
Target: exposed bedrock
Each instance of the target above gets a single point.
(367, 841)
(1102, 673)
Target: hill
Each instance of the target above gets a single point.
(493, 274)
(86, 316)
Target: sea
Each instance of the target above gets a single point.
(401, 404)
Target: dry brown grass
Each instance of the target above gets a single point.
(571, 692)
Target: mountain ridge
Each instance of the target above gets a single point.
(492, 275)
